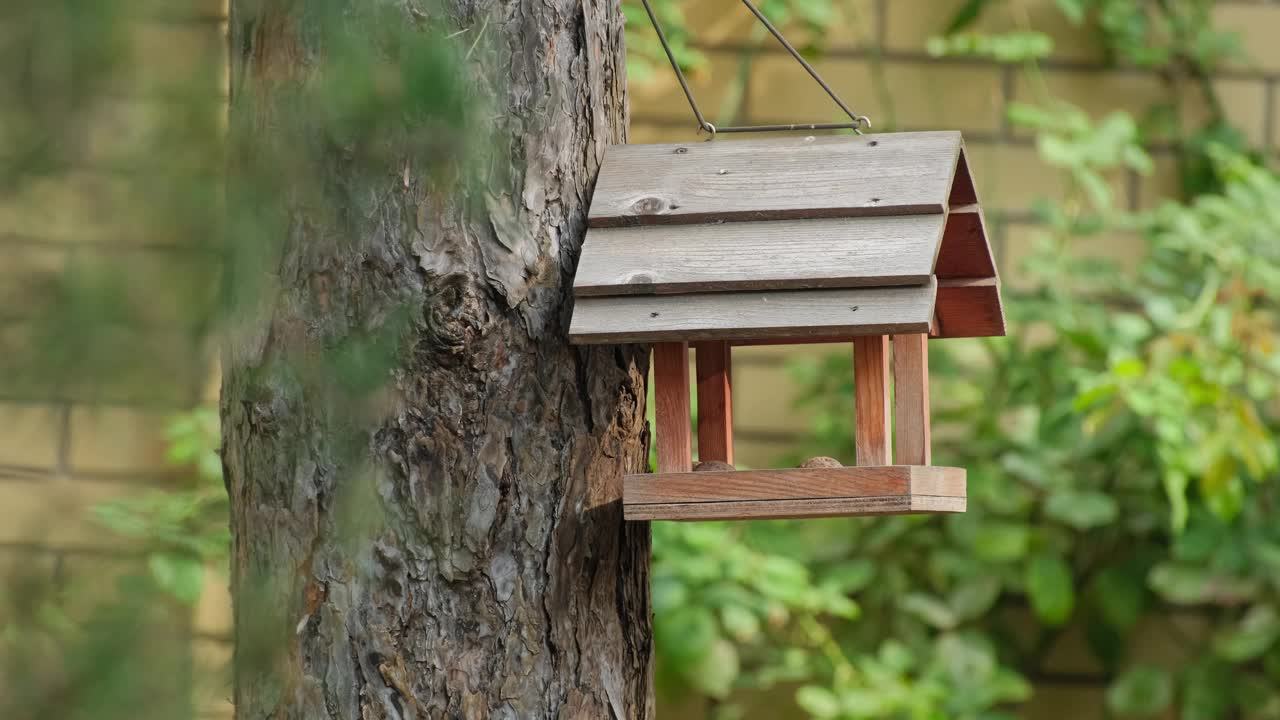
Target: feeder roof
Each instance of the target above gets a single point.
(786, 239)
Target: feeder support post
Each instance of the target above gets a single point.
(871, 399)
(671, 407)
(911, 399)
(715, 402)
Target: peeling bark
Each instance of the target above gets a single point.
(451, 545)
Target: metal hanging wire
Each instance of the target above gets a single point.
(858, 122)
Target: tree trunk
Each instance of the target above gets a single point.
(462, 553)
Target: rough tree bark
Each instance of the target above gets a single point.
(503, 582)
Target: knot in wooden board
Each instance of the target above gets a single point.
(650, 206)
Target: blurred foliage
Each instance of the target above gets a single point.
(183, 528)
(167, 207)
(101, 643)
(1120, 443)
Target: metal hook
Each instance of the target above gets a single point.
(858, 121)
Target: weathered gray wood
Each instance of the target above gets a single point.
(777, 255)
(748, 315)
(794, 484)
(776, 178)
(965, 251)
(969, 308)
(796, 509)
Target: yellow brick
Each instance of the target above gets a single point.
(715, 22)
(212, 659)
(21, 564)
(213, 612)
(764, 453)
(661, 96)
(27, 274)
(1275, 120)
(1011, 177)
(182, 10)
(29, 436)
(175, 135)
(720, 22)
(117, 440)
(175, 57)
(74, 206)
(1021, 241)
(178, 287)
(56, 511)
(957, 97)
(764, 395)
(1245, 103)
(1256, 26)
(92, 580)
(910, 23)
(1164, 183)
(1097, 93)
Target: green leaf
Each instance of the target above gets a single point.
(974, 596)
(182, 576)
(1050, 588)
(1082, 510)
(1255, 634)
(717, 670)
(850, 576)
(1120, 596)
(686, 634)
(1001, 542)
(1073, 9)
(930, 609)
(1209, 692)
(966, 15)
(819, 702)
(740, 623)
(1141, 692)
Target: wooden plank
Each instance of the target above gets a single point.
(671, 407)
(911, 433)
(775, 179)
(776, 255)
(776, 314)
(970, 308)
(871, 399)
(794, 484)
(795, 509)
(715, 401)
(965, 251)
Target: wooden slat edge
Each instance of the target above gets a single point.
(792, 509)
(771, 315)
(793, 483)
(692, 218)
(587, 290)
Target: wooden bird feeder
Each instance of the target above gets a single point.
(874, 240)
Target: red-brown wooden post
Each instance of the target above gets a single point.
(715, 402)
(671, 407)
(871, 399)
(911, 399)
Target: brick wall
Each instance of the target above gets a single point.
(67, 447)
